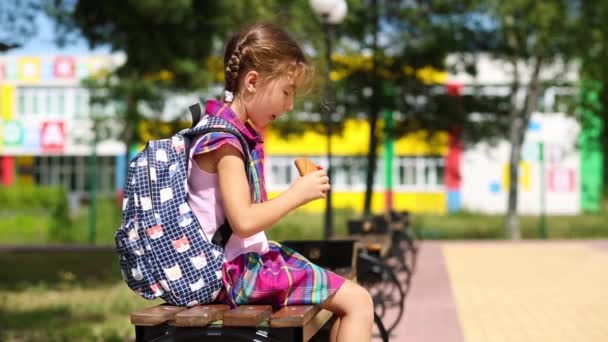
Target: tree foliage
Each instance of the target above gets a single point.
(17, 22)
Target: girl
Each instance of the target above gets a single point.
(264, 67)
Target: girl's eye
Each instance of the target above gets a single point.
(285, 92)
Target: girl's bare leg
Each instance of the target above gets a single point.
(333, 334)
(355, 309)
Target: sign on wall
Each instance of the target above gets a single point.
(561, 179)
(12, 133)
(52, 136)
(29, 69)
(64, 67)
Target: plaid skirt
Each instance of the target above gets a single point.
(279, 277)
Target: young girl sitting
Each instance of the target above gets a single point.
(264, 67)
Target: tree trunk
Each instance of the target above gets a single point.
(512, 220)
(519, 124)
(373, 119)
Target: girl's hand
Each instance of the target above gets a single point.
(310, 187)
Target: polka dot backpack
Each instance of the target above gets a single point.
(163, 250)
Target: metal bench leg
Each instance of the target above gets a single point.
(381, 328)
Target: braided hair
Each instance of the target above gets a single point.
(267, 49)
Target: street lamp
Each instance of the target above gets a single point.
(331, 13)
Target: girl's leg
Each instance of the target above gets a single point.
(355, 309)
(333, 333)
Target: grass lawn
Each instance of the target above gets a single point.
(64, 297)
(476, 226)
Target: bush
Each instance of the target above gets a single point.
(34, 213)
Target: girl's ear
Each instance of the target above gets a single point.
(251, 81)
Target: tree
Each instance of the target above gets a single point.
(530, 36)
(408, 43)
(170, 47)
(17, 22)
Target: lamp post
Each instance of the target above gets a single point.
(331, 13)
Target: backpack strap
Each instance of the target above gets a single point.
(196, 113)
(224, 232)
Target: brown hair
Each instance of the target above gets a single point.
(267, 49)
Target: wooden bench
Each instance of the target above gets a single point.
(216, 322)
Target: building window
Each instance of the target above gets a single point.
(349, 173)
(72, 173)
(420, 173)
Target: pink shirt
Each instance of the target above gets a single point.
(205, 200)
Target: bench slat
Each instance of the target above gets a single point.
(247, 315)
(155, 315)
(200, 316)
(293, 316)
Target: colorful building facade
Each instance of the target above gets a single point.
(46, 137)
(45, 125)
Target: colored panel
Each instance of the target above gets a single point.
(421, 144)
(525, 179)
(7, 96)
(120, 171)
(589, 144)
(454, 201)
(52, 136)
(452, 161)
(12, 133)
(64, 67)
(591, 170)
(353, 141)
(561, 180)
(8, 170)
(389, 152)
(29, 69)
(31, 138)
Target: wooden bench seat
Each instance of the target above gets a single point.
(307, 320)
(217, 321)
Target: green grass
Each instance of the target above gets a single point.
(477, 226)
(64, 297)
(36, 226)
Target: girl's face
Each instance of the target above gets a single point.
(271, 99)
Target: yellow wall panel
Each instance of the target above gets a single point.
(7, 94)
(525, 178)
(353, 141)
(421, 143)
(29, 69)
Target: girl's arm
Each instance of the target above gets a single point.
(247, 218)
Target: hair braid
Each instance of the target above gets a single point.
(232, 70)
(266, 49)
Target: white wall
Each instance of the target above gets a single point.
(484, 187)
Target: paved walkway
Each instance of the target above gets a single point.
(508, 292)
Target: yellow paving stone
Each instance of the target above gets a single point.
(533, 292)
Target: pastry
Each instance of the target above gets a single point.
(305, 166)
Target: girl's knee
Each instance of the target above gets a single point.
(359, 300)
